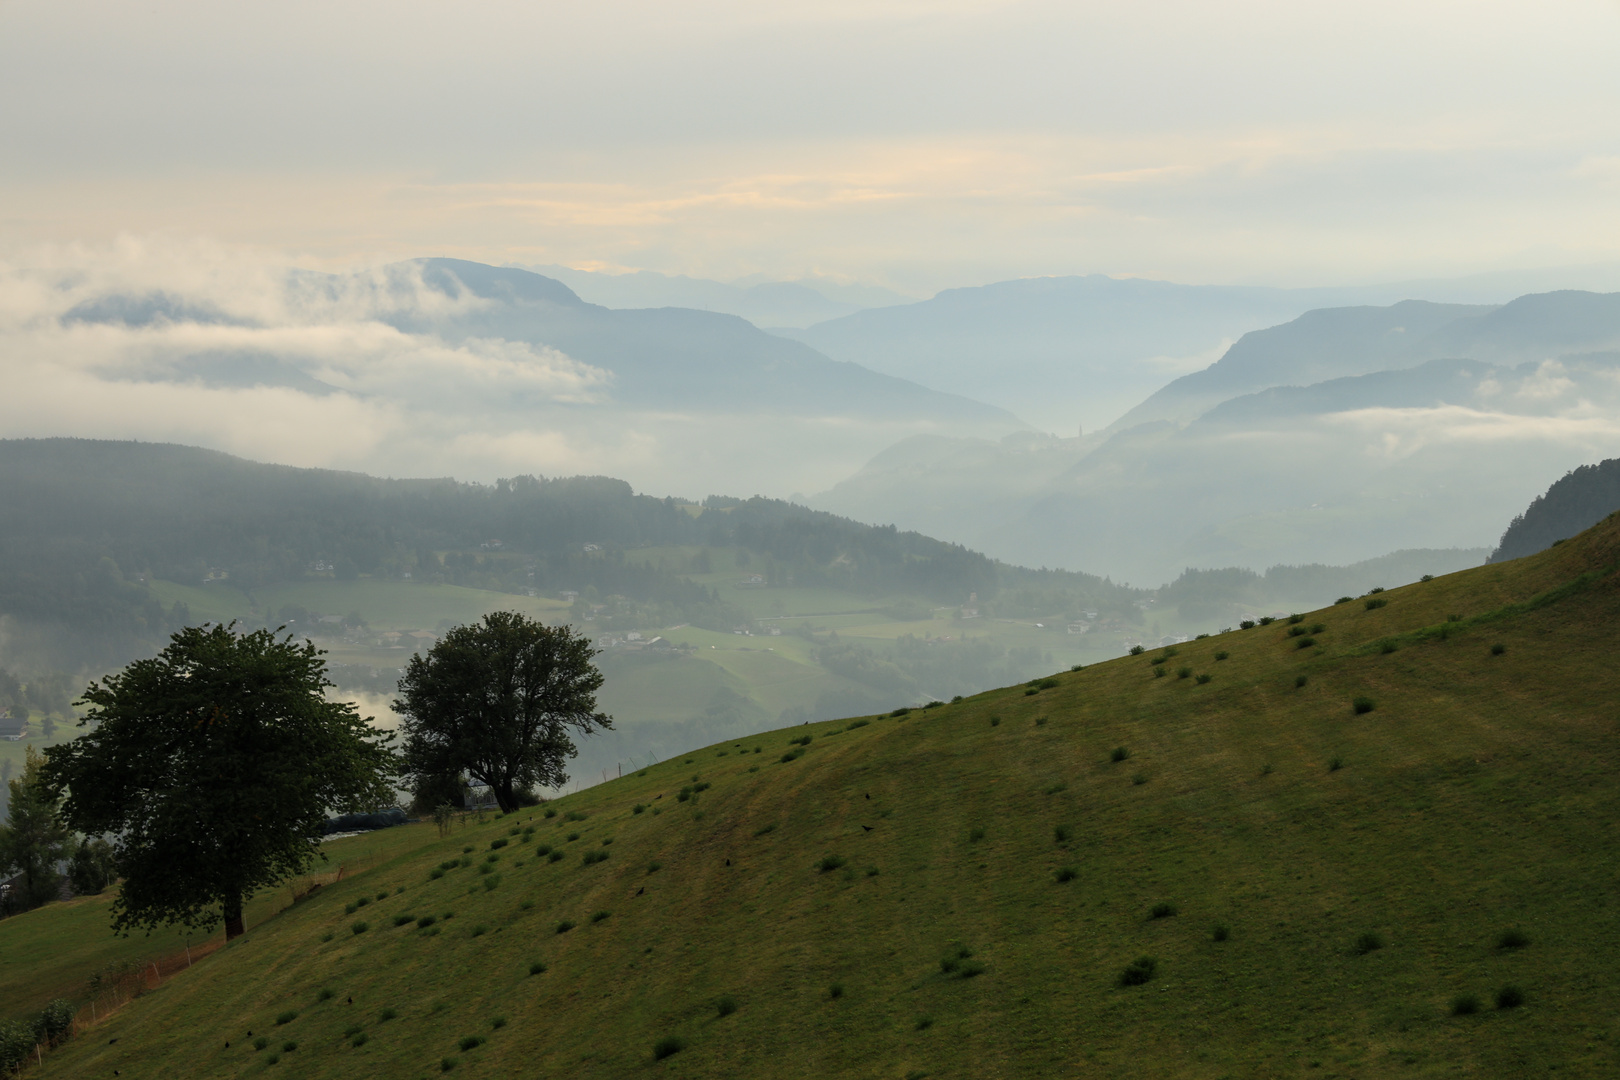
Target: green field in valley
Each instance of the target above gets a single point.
(1302, 887)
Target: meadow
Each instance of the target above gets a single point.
(1375, 841)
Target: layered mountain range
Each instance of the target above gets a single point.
(1334, 437)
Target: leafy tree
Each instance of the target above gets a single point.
(35, 840)
(215, 764)
(496, 700)
(93, 867)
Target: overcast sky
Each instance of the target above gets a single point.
(917, 144)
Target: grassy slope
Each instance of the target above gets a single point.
(1478, 795)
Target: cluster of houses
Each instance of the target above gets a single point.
(634, 641)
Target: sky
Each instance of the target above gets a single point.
(913, 144)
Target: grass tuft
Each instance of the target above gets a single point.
(1512, 939)
(1465, 1005)
(1362, 705)
(1509, 997)
(1367, 943)
(1162, 910)
(668, 1046)
(1220, 932)
(1119, 754)
(1065, 874)
(1139, 971)
(725, 1005)
(830, 863)
(537, 968)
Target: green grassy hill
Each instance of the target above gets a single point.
(957, 892)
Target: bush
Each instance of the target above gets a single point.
(551, 812)
(1139, 971)
(853, 724)
(1031, 692)
(1464, 1005)
(1305, 643)
(470, 1042)
(1335, 764)
(426, 921)
(835, 991)
(579, 815)
(1246, 624)
(1266, 620)
(1062, 834)
(1065, 874)
(288, 1047)
(498, 843)
(1162, 910)
(1375, 603)
(792, 755)
(1367, 942)
(1375, 590)
(1387, 647)
(399, 920)
(1053, 789)
(1220, 932)
(1426, 577)
(1137, 650)
(830, 862)
(388, 1014)
(1139, 779)
(360, 927)
(537, 968)
(326, 994)
(446, 1064)
(564, 926)
(995, 721)
(802, 740)
(600, 915)
(492, 882)
(360, 1039)
(1158, 673)
(924, 1023)
(555, 856)
(1267, 769)
(1040, 721)
(975, 835)
(1221, 656)
(1183, 672)
(54, 1022)
(1509, 997)
(287, 1017)
(1344, 600)
(901, 711)
(1297, 631)
(1512, 939)
(1363, 705)
(479, 930)
(436, 873)
(572, 837)
(1300, 681)
(653, 868)
(593, 857)
(1203, 678)
(669, 1044)
(260, 1043)
(725, 1005)
(1119, 754)
(1498, 649)
(639, 808)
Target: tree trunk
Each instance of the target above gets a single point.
(233, 916)
(505, 797)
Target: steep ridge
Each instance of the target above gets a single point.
(1322, 888)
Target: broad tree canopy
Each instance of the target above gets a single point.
(496, 700)
(214, 765)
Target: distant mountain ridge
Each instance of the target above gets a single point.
(1333, 437)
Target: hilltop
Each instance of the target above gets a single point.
(1324, 888)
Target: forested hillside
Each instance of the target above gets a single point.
(1581, 499)
(90, 525)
